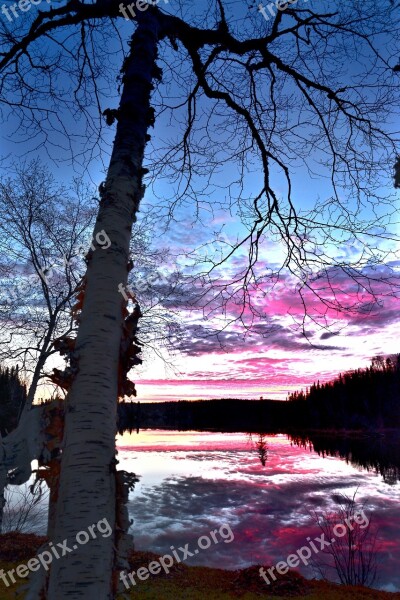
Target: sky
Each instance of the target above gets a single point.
(273, 352)
(222, 350)
(270, 356)
(247, 366)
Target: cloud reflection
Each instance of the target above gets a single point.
(219, 479)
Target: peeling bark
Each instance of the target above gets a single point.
(87, 492)
(18, 450)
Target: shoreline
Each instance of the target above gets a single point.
(194, 582)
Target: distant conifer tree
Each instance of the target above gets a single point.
(12, 398)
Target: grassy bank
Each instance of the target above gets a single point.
(195, 583)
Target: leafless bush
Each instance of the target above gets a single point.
(25, 508)
(352, 553)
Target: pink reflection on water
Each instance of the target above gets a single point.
(194, 481)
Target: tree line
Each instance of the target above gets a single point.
(12, 398)
(359, 399)
(373, 451)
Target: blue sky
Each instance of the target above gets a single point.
(273, 357)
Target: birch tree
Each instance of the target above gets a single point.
(311, 88)
(44, 236)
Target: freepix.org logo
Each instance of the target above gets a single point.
(45, 558)
(140, 5)
(304, 553)
(167, 561)
(22, 6)
(274, 7)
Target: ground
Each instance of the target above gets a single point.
(195, 583)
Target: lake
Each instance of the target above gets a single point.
(263, 489)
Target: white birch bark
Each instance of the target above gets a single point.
(87, 484)
(18, 450)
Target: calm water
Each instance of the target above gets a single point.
(193, 482)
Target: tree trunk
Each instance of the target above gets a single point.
(17, 451)
(88, 481)
(43, 356)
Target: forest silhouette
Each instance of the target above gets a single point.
(359, 400)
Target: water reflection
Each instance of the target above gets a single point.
(379, 453)
(260, 446)
(192, 482)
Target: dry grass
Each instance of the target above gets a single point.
(195, 583)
